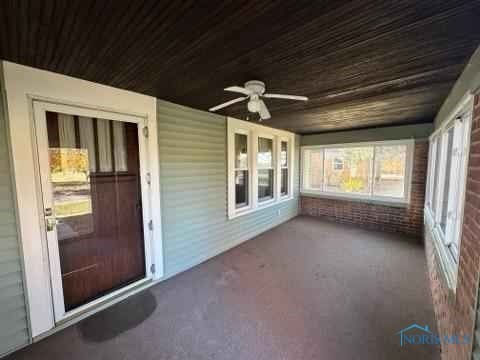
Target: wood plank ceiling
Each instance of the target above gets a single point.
(363, 63)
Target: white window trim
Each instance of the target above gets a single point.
(24, 85)
(448, 259)
(254, 131)
(360, 197)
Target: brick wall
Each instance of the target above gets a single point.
(408, 220)
(457, 314)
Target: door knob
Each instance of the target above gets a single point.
(51, 223)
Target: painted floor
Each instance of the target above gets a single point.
(308, 289)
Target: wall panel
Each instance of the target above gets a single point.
(193, 173)
(13, 313)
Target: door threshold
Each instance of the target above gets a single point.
(84, 311)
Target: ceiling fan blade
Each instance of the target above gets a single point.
(263, 110)
(238, 89)
(228, 103)
(282, 96)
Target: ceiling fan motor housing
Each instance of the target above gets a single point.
(255, 86)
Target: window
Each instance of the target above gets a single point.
(446, 190)
(284, 160)
(265, 168)
(241, 171)
(260, 162)
(372, 171)
(448, 140)
(390, 167)
(445, 198)
(354, 177)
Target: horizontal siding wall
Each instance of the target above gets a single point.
(193, 177)
(13, 315)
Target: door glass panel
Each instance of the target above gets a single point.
(95, 178)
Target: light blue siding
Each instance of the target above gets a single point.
(193, 177)
(13, 316)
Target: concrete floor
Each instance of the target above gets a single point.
(308, 289)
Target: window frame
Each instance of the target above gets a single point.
(357, 196)
(254, 132)
(248, 169)
(280, 167)
(446, 244)
(269, 136)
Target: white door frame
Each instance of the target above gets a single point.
(40, 109)
(24, 86)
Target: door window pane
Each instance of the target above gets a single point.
(265, 184)
(99, 222)
(390, 164)
(353, 175)
(104, 145)
(241, 188)
(446, 188)
(241, 151)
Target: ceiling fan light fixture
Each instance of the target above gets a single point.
(253, 106)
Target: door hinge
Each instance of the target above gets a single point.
(145, 131)
(150, 225)
(149, 179)
(152, 268)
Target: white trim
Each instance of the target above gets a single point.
(360, 144)
(254, 131)
(410, 143)
(465, 105)
(447, 243)
(23, 85)
(40, 108)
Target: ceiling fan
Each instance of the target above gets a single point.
(254, 90)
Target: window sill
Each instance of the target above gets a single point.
(260, 207)
(368, 200)
(446, 267)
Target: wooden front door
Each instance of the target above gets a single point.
(96, 205)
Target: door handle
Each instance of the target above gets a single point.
(50, 220)
(51, 223)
